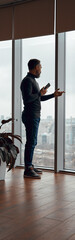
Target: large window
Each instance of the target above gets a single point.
(70, 102)
(42, 48)
(5, 82)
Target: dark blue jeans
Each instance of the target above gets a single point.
(31, 126)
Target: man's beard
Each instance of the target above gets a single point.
(37, 75)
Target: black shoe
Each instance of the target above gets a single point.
(30, 173)
(37, 170)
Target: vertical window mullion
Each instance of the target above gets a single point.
(60, 78)
(17, 94)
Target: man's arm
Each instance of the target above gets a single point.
(27, 92)
(57, 93)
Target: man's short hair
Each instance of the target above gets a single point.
(32, 63)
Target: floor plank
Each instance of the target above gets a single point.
(39, 209)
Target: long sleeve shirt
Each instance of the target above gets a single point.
(32, 97)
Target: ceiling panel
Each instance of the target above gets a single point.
(4, 2)
(7, 1)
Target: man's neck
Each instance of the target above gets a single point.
(32, 72)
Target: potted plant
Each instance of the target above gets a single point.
(8, 151)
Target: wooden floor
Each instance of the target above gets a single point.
(37, 209)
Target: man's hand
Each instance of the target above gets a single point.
(58, 93)
(43, 91)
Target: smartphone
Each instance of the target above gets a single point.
(47, 86)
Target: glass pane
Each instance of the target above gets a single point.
(42, 48)
(70, 101)
(5, 82)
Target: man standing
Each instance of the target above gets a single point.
(32, 97)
